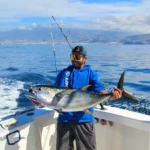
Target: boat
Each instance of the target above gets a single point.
(36, 130)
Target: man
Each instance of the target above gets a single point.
(79, 126)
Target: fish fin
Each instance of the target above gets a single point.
(63, 93)
(89, 112)
(96, 120)
(121, 81)
(50, 86)
(57, 98)
(85, 87)
(120, 86)
(129, 96)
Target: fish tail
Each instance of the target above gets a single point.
(129, 96)
(120, 86)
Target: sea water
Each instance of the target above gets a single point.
(25, 65)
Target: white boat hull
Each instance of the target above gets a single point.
(131, 131)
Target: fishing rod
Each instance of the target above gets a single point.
(53, 47)
(62, 32)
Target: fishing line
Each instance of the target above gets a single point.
(62, 33)
(53, 41)
(53, 46)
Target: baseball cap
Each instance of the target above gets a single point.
(80, 49)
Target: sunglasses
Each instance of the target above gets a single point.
(76, 56)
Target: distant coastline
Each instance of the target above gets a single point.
(86, 36)
(49, 42)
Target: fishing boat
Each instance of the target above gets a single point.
(36, 130)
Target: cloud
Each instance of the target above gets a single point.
(18, 9)
(30, 27)
(130, 16)
(132, 23)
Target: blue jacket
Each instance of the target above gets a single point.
(75, 78)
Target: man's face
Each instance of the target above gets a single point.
(78, 60)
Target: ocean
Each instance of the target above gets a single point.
(24, 65)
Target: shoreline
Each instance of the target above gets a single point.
(64, 43)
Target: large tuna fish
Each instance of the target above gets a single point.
(64, 99)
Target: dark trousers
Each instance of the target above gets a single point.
(82, 133)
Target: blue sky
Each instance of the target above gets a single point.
(125, 15)
(108, 1)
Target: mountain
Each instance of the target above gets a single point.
(42, 35)
(136, 39)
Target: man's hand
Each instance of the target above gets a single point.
(116, 94)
